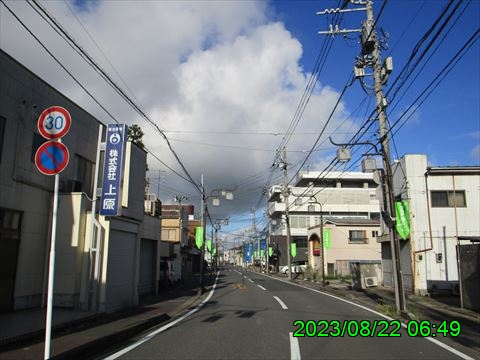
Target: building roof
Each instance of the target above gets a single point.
(453, 170)
(303, 179)
(352, 221)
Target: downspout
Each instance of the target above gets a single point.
(458, 242)
(429, 217)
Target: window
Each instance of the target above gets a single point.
(169, 234)
(302, 242)
(357, 237)
(375, 216)
(82, 175)
(298, 222)
(37, 140)
(374, 234)
(448, 198)
(2, 134)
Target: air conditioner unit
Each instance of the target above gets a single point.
(371, 281)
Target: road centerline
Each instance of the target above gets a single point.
(261, 287)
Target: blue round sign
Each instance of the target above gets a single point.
(51, 157)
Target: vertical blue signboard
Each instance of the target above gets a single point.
(115, 142)
(248, 253)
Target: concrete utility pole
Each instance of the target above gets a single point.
(254, 211)
(381, 104)
(202, 250)
(286, 194)
(371, 58)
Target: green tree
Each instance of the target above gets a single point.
(135, 134)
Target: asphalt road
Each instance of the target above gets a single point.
(250, 315)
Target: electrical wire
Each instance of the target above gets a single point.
(55, 24)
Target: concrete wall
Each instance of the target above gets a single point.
(23, 96)
(71, 238)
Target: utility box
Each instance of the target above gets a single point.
(369, 165)
(343, 154)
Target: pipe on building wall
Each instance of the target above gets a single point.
(429, 217)
(458, 241)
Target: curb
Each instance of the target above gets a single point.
(92, 349)
(89, 349)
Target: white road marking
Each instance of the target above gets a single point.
(282, 304)
(164, 327)
(435, 341)
(261, 287)
(294, 348)
(250, 280)
(238, 272)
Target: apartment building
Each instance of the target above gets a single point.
(339, 199)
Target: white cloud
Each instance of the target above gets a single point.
(194, 66)
(475, 154)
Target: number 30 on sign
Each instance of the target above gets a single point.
(54, 122)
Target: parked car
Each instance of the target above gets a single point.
(296, 266)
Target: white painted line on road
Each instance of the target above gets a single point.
(282, 304)
(245, 276)
(294, 348)
(250, 280)
(166, 326)
(261, 287)
(435, 341)
(238, 272)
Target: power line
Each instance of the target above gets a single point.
(55, 24)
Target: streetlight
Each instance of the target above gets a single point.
(215, 195)
(217, 225)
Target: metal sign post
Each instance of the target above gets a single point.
(51, 158)
(51, 271)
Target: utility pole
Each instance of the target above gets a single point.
(202, 222)
(382, 124)
(370, 57)
(256, 238)
(286, 194)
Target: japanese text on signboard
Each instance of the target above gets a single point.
(113, 169)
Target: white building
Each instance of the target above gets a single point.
(444, 204)
(336, 195)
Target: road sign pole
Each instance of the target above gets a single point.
(51, 268)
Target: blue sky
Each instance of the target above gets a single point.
(224, 79)
(447, 126)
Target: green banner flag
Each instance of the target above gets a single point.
(293, 249)
(262, 253)
(326, 239)
(402, 217)
(214, 251)
(209, 245)
(255, 254)
(199, 236)
(270, 251)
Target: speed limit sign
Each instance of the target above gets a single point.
(54, 122)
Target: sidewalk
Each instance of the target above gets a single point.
(77, 334)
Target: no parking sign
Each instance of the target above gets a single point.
(51, 157)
